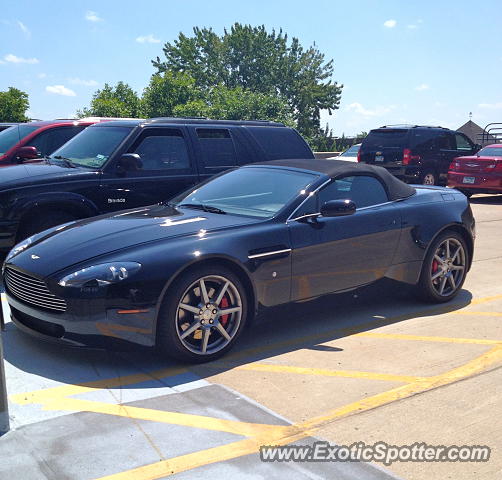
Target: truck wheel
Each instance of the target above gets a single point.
(35, 224)
(429, 178)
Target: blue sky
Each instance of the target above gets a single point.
(425, 61)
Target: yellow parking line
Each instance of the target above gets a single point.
(47, 394)
(301, 430)
(185, 419)
(423, 338)
(479, 314)
(265, 367)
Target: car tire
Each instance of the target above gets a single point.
(444, 268)
(41, 222)
(190, 326)
(429, 178)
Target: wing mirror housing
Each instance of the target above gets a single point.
(338, 208)
(129, 162)
(27, 153)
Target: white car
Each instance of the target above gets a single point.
(350, 155)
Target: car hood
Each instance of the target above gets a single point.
(31, 173)
(85, 239)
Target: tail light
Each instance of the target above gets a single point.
(359, 155)
(454, 166)
(409, 158)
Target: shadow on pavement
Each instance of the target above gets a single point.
(280, 330)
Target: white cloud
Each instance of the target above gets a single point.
(42, 75)
(24, 29)
(13, 59)
(422, 87)
(365, 112)
(92, 16)
(147, 39)
(60, 90)
(85, 83)
(491, 106)
(390, 23)
(412, 26)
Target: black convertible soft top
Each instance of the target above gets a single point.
(341, 168)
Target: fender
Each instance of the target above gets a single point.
(67, 201)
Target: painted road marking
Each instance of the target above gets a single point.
(260, 434)
(266, 367)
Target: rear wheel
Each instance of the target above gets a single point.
(444, 268)
(429, 178)
(202, 315)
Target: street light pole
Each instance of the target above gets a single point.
(4, 407)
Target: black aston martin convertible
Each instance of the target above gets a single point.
(187, 275)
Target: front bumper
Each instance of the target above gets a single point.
(90, 327)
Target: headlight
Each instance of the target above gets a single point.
(103, 274)
(19, 248)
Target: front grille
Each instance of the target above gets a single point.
(32, 291)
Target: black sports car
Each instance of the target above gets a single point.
(187, 275)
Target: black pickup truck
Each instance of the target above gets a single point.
(132, 163)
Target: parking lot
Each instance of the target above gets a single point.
(374, 365)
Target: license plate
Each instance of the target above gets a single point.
(379, 158)
(469, 179)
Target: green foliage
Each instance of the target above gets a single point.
(237, 104)
(261, 62)
(13, 105)
(167, 91)
(118, 101)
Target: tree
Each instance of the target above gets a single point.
(118, 101)
(167, 91)
(237, 104)
(254, 60)
(13, 105)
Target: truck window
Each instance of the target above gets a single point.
(280, 142)
(217, 147)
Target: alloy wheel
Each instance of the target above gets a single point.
(209, 314)
(448, 267)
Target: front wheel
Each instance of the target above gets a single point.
(444, 268)
(202, 315)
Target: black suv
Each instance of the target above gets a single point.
(131, 163)
(414, 153)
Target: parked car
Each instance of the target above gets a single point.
(414, 153)
(5, 125)
(131, 163)
(187, 275)
(480, 173)
(33, 140)
(349, 155)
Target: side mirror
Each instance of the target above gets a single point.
(338, 208)
(129, 162)
(27, 153)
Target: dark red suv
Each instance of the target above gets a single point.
(32, 141)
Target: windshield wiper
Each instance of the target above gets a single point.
(66, 161)
(47, 159)
(201, 206)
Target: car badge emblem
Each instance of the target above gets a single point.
(34, 257)
(472, 165)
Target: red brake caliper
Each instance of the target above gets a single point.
(435, 266)
(223, 304)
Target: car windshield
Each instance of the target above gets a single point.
(253, 191)
(92, 147)
(10, 136)
(490, 152)
(351, 152)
